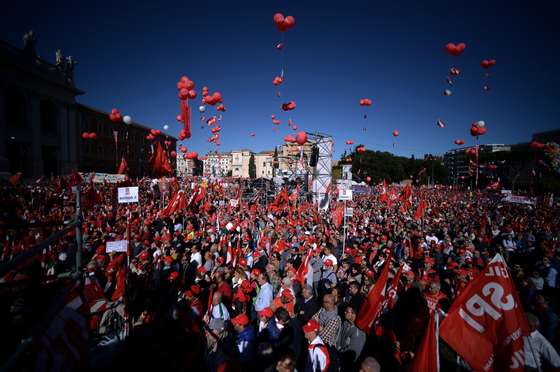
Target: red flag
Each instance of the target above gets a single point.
(372, 306)
(14, 179)
(303, 269)
(123, 168)
(420, 210)
(178, 202)
(159, 162)
(383, 197)
(486, 323)
(393, 288)
(427, 355)
(338, 215)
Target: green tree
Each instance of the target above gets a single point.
(252, 167)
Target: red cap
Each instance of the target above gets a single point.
(267, 311)
(255, 272)
(195, 289)
(144, 256)
(220, 260)
(287, 293)
(243, 262)
(174, 275)
(241, 320)
(311, 326)
(202, 269)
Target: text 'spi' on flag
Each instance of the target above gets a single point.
(486, 323)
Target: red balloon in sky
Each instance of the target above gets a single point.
(455, 49)
(396, 133)
(487, 63)
(301, 138)
(349, 142)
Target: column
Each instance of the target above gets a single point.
(36, 151)
(4, 165)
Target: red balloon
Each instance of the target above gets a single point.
(179, 117)
(471, 151)
(361, 149)
(459, 142)
(280, 46)
(183, 149)
(183, 93)
(289, 106)
(275, 121)
(153, 131)
(349, 142)
(396, 133)
(85, 135)
(93, 135)
(278, 18)
(221, 108)
(455, 49)
(301, 138)
(289, 138)
(487, 63)
(368, 179)
(173, 154)
(216, 129)
(192, 155)
(192, 94)
(277, 80)
(182, 135)
(366, 102)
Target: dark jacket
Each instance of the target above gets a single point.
(305, 310)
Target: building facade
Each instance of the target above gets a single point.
(240, 163)
(185, 167)
(217, 164)
(294, 159)
(457, 162)
(41, 124)
(264, 164)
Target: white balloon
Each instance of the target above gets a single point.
(202, 108)
(166, 127)
(447, 92)
(127, 119)
(481, 123)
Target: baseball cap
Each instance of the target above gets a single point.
(311, 326)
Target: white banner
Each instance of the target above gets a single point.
(345, 194)
(128, 194)
(518, 199)
(104, 177)
(117, 246)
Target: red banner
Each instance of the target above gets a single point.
(486, 324)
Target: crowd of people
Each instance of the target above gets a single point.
(216, 282)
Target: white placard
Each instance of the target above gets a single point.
(233, 202)
(345, 194)
(117, 246)
(349, 212)
(128, 194)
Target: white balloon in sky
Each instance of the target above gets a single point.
(166, 127)
(202, 108)
(127, 119)
(481, 123)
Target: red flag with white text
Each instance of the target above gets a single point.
(372, 306)
(486, 323)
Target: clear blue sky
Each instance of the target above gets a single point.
(131, 54)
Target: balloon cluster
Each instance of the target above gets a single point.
(478, 128)
(283, 23)
(366, 102)
(278, 80)
(86, 135)
(185, 86)
(115, 115)
(212, 99)
(459, 142)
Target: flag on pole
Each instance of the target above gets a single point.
(427, 355)
(486, 323)
(371, 308)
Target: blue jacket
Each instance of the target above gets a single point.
(246, 344)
